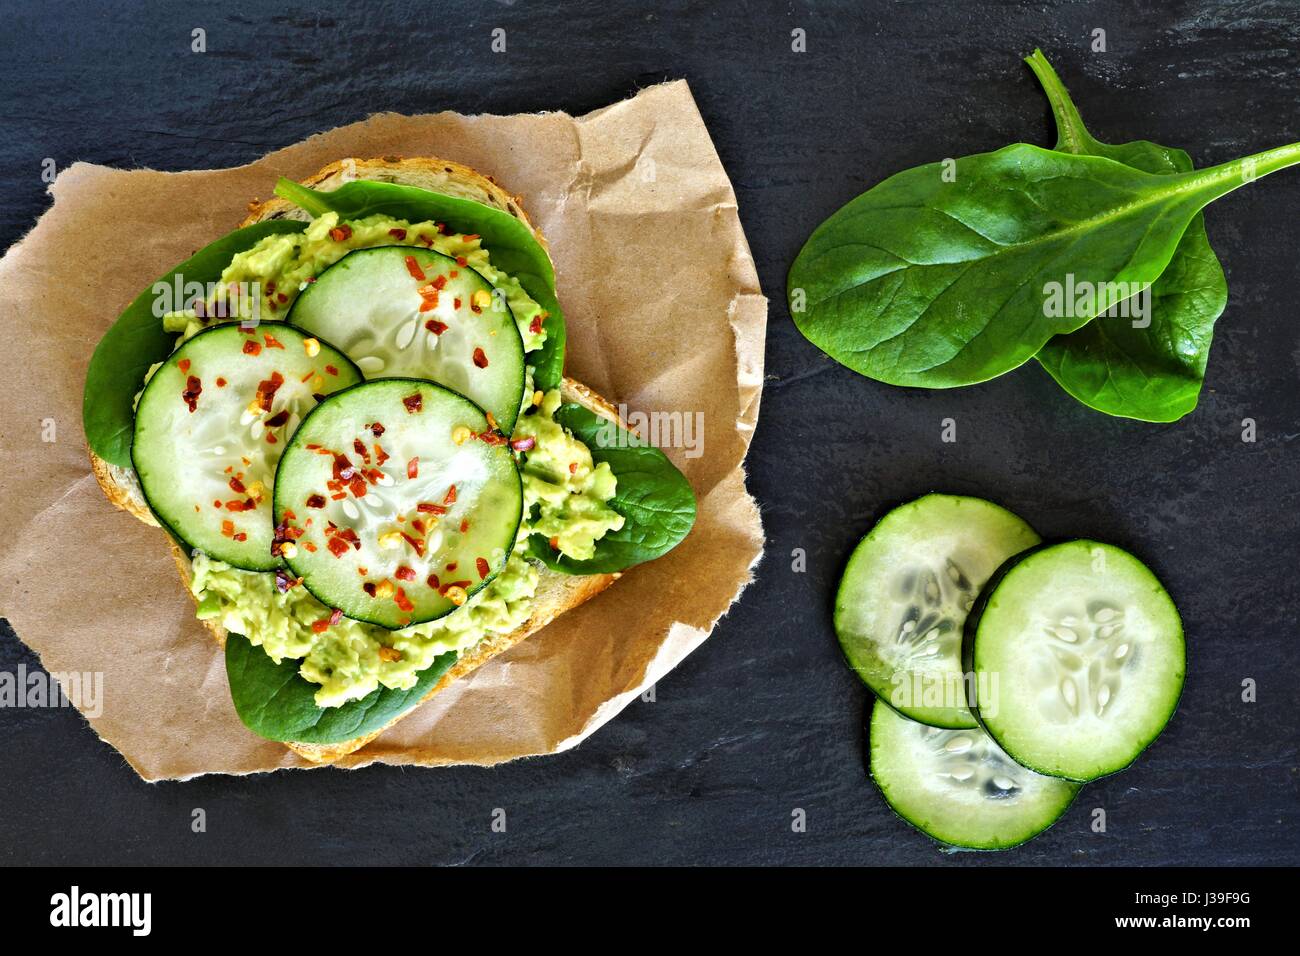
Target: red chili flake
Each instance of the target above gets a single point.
(464, 525)
(358, 487)
(341, 233)
(481, 566)
(527, 443)
(414, 403)
(480, 358)
(221, 382)
(359, 447)
(216, 504)
(416, 544)
(398, 234)
(270, 287)
(369, 588)
(335, 616)
(436, 327)
(267, 388)
(285, 583)
(404, 573)
(241, 537)
(455, 303)
(433, 582)
(414, 269)
(453, 566)
(376, 429)
(289, 515)
(471, 237)
(492, 438)
(413, 468)
(281, 298)
(535, 326)
(416, 523)
(338, 547)
(271, 341)
(331, 370)
(344, 470)
(237, 486)
(453, 273)
(236, 505)
(450, 496)
(430, 302)
(316, 501)
(339, 495)
(253, 348)
(462, 261)
(555, 544)
(228, 529)
(310, 547)
(278, 419)
(321, 626)
(193, 388)
(402, 601)
(573, 467)
(381, 456)
(183, 365)
(430, 508)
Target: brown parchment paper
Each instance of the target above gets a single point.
(664, 313)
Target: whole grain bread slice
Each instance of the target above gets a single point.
(556, 592)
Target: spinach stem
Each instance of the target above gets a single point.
(1072, 134)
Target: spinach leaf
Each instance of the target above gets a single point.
(936, 277)
(274, 702)
(512, 246)
(1153, 373)
(654, 498)
(137, 340)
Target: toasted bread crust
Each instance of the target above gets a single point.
(556, 592)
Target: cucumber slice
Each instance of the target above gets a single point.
(1079, 659)
(958, 786)
(905, 595)
(210, 427)
(458, 333)
(384, 514)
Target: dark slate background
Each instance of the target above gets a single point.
(764, 718)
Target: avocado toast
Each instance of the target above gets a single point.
(380, 480)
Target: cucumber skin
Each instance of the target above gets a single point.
(971, 631)
(943, 844)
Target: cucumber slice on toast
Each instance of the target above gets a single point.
(396, 500)
(1079, 659)
(211, 424)
(958, 786)
(402, 311)
(905, 595)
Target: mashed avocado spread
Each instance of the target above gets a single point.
(566, 495)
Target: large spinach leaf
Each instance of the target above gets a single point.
(937, 276)
(654, 498)
(513, 247)
(1151, 371)
(274, 702)
(137, 340)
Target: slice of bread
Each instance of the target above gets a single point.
(556, 592)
